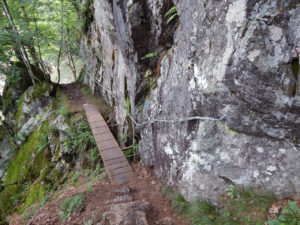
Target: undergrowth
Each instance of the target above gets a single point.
(62, 104)
(104, 109)
(71, 204)
(242, 207)
(81, 137)
(290, 216)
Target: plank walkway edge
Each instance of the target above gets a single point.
(117, 166)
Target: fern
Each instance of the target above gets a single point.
(172, 13)
(70, 205)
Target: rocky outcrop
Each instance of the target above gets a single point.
(45, 147)
(238, 60)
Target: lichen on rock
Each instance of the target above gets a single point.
(233, 58)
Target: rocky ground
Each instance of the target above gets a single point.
(139, 202)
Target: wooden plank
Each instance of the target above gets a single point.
(107, 155)
(116, 161)
(121, 170)
(98, 124)
(104, 136)
(100, 130)
(105, 145)
(116, 164)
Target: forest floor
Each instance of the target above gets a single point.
(98, 194)
(97, 190)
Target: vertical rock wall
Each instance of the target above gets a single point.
(238, 59)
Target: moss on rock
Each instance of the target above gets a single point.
(6, 198)
(26, 165)
(36, 192)
(28, 162)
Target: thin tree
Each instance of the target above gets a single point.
(71, 63)
(61, 41)
(20, 47)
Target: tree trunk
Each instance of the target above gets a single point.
(38, 61)
(21, 48)
(61, 41)
(71, 63)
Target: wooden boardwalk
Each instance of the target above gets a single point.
(116, 164)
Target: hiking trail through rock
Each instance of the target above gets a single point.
(139, 202)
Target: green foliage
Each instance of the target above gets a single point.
(14, 75)
(80, 136)
(36, 192)
(172, 13)
(242, 207)
(128, 106)
(38, 24)
(46, 199)
(43, 144)
(30, 214)
(62, 104)
(232, 192)
(75, 178)
(150, 55)
(94, 153)
(71, 204)
(86, 14)
(26, 165)
(130, 152)
(290, 216)
(89, 222)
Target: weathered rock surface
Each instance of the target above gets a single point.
(5, 154)
(235, 58)
(132, 213)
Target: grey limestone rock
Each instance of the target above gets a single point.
(238, 58)
(133, 213)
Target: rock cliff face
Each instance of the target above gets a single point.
(41, 145)
(238, 59)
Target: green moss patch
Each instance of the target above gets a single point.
(36, 192)
(238, 206)
(7, 197)
(28, 162)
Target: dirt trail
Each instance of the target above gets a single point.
(98, 200)
(76, 98)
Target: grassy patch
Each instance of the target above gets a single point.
(71, 204)
(243, 207)
(30, 213)
(104, 109)
(62, 104)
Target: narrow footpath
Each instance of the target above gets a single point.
(138, 202)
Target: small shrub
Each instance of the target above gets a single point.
(94, 153)
(41, 145)
(44, 201)
(290, 216)
(80, 135)
(30, 214)
(70, 205)
(232, 192)
(128, 107)
(75, 178)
